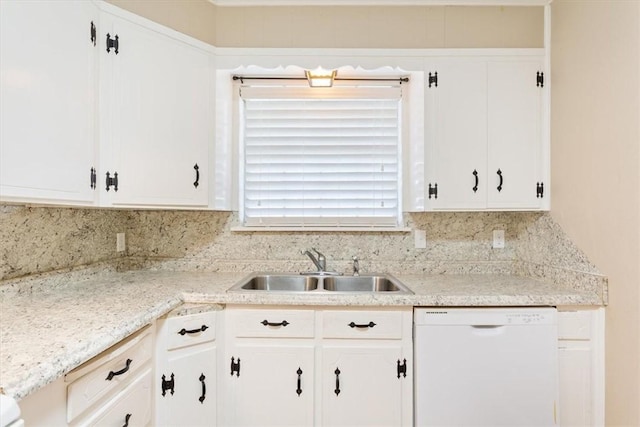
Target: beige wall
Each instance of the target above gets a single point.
(379, 27)
(193, 17)
(595, 139)
(346, 27)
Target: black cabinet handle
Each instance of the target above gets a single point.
(92, 33)
(265, 322)
(337, 390)
(197, 182)
(475, 175)
(501, 180)
(120, 372)
(363, 325)
(184, 331)
(204, 388)
(299, 389)
(126, 420)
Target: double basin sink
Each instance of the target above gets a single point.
(286, 282)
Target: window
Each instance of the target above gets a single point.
(321, 157)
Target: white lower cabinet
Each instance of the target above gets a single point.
(272, 385)
(361, 386)
(581, 366)
(185, 377)
(317, 366)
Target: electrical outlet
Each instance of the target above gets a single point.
(498, 239)
(420, 239)
(120, 242)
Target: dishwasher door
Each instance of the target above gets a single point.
(485, 367)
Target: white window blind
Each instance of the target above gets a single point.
(321, 157)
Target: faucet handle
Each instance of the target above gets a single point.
(356, 266)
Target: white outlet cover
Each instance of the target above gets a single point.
(120, 242)
(420, 239)
(498, 239)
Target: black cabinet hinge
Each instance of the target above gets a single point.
(167, 384)
(539, 190)
(540, 79)
(92, 178)
(93, 34)
(433, 79)
(112, 181)
(235, 367)
(112, 43)
(433, 190)
(402, 368)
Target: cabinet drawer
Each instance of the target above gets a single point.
(272, 323)
(130, 407)
(362, 324)
(574, 325)
(109, 371)
(191, 329)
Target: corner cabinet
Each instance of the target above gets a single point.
(48, 99)
(156, 121)
(318, 366)
(486, 141)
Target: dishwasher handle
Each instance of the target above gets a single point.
(488, 330)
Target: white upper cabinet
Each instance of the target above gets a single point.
(485, 143)
(156, 121)
(48, 67)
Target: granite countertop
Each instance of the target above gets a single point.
(46, 331)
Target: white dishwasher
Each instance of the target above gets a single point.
(485, 366)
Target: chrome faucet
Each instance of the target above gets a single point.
(356, 266)
(320, 262)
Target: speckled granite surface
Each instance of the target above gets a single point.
(47, 331)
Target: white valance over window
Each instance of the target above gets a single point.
(321, 157)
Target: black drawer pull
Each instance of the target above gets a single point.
(475, 175)
(265, 322)
(204, 388)
(120, 372)
(126, 420)
(202, 328)
(299, 389)
(364, 325)
(337, 390)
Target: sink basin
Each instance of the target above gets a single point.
(277, 282)
(364, 284)
(286, 282)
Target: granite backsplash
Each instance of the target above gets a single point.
(44, 239)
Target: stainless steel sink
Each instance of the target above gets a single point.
(277, 282)
(286, 282)
(377, 283)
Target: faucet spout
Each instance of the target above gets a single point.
(320, 262)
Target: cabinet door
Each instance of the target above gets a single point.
(47, 101)
(191, 399)
(274, 387)
(515, 135)
(156, 120)
(457, 135)
(360, 386)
